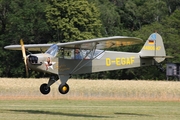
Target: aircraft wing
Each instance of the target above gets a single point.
(30, 47)
(102, 43)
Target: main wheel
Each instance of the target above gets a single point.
(44, 89)
(63, 89)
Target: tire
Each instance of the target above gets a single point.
(44, 89)
(63, 89)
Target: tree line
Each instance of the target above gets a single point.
(47, 21)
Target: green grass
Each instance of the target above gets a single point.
(69, 109)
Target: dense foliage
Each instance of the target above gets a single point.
(67, 20)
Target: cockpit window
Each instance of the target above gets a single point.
(88, 54)
(53, 50)
(98, 54)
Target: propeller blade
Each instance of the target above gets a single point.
(24, 56)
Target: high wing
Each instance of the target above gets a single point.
(30, 47)
(99, 43)
(102, 43)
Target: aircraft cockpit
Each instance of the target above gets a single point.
(67, 53)
(92, 54)
(82, 54)
(53, 50)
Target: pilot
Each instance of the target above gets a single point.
(77, 54)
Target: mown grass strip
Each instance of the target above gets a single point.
(66, 109)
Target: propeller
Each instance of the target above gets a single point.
(24, 56)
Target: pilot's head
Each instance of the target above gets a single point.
(76, 50)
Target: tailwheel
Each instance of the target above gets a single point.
(63, 89)
(44, 89)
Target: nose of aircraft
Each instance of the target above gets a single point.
(33, 59)
(40, 62)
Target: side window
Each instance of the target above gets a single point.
(79, 54)
(98, 54)
(86, 54)
(64, 53)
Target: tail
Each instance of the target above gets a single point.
(154, 48)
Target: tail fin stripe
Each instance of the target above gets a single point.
(153, 36)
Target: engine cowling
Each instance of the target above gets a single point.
(33, 59)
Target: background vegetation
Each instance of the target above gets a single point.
(46, 21)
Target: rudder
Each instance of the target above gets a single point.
(154, 47)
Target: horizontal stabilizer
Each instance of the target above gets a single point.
(164, 57)
(157, 56)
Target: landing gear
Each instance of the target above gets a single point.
(45, 89)
(63, 89)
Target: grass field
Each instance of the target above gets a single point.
(20, 99)
(96, 89)
(68, 109)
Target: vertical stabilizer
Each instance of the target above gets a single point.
(154, 47)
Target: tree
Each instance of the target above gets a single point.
(20, 19)
(27, 18)
(74, 20)
(45, 21)
(110, 18)
(172, 5)
(171, 33)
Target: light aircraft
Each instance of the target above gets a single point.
(61, 62)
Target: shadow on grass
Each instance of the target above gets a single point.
(133, 114)
(57, 113)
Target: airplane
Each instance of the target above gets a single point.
(61, 62)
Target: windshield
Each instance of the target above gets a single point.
(52, 50)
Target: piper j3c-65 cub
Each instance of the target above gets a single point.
(62, 60)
